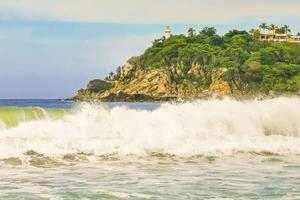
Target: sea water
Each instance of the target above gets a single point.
(205, 149)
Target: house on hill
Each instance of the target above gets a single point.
(272, 36)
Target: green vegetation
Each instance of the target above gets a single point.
(252, 65)
(239, 58)
(285, 29)
(99, 85)
(113, 76)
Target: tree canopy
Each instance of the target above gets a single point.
(252, 65)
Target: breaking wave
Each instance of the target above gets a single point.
(13, 116)
(204, 127)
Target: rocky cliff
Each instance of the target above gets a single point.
(200, 65)
(137, 84)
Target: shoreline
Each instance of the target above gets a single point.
(185, 99)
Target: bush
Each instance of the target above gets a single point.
(99, 85)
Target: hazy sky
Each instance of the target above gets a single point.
(51, 48)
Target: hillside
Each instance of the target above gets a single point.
(197, 65)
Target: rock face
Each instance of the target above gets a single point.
(136, 84)
(155, 83)
(145, 86)
(220, 87)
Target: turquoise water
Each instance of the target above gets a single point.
(59, 103)
(213, 149)
(16, 111)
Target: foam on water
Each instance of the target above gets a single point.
(205, 127)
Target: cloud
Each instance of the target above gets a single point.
(147, 11)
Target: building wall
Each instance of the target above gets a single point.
(279, 38)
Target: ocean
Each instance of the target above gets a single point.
(203, 149)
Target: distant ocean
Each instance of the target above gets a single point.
(205, 149)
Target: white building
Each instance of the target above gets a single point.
(168, 32)
(296, 38)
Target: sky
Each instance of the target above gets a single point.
(52, 48)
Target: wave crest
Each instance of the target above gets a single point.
(185, 129)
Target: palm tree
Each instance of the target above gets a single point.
(111, 76)
(287, 29)
(264, 26)
(272, 27)
(191, 32)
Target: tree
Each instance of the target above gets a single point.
(287, 29)
(268, 56)
(157, 42)
(209, 31)
(255, 33)
(99, 85)
(234, 32)
(232, 78)
(216, 40)
(118, 72)
(191, 32)
(280, 30)
(264, 27)
(110, 76)
(239, 41)
(285, 71)
(253, 71)
(272, 27)
(298, 34)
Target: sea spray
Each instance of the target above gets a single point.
(204, 127)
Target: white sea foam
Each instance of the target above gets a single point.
(185, 129)
(2, 126)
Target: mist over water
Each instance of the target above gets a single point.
(204, 127)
